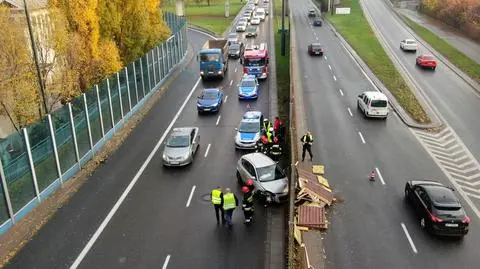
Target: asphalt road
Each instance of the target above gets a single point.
(158, 224)
(457, 102)
(366, 228)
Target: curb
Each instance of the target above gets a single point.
(201, 29)
(472, 83)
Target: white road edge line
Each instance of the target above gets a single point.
(334, 78)
(316, 37)
(165, 264)
(350, 112)
(218, 120)
(208, 149)
(231, 81)
(120, 200)
(380, 175)
(361, 137)
(329, 67)
(190, 196)
(409, 238)
(226, 97)
(341, 92)
(325, 57)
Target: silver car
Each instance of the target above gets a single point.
(181, 146)
(269, 179)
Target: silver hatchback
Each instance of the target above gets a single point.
(181, 146)
(269, 179)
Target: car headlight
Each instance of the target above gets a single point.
(186, 156)
(165, 157)
(198, 104)
(201, 72)
(216, 104)
(220, 72)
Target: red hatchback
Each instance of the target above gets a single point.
(426, 61)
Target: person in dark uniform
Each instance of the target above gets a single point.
(307, 141)
(247, 204)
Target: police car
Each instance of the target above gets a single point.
(249, 130)
(248, 87)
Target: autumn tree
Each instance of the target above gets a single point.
(135, 26)
(19, 96)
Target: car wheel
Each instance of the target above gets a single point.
(239, 178)
(407, 195)
(433, 68)
(423, 223)
(401, 47)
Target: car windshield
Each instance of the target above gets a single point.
(249, 127)
(254, 62)
(209, 96)
(234, 47)
(378, 103)
(241, 24)
(259, 13)
(427, 57)
(269, 173)
(411, 42)
(178, 141)
(251, 29)
(248, 83)
(209, 57)
(232, 36)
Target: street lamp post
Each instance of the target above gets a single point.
(284, 38)
(35, 57)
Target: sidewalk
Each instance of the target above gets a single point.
(458, 40)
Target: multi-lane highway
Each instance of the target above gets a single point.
(372, 228)
(164, 219)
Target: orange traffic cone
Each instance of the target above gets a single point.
(372, 175)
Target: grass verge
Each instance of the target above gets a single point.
(462, 61)
(282, 62)
(356, 30)
(211, 17)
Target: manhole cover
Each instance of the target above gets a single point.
(206, 198)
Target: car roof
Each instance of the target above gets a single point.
(316, 44)
(375, 95)
(409, 39)
(182, 131)
(233, 34)
(249, 77)
(258, 159)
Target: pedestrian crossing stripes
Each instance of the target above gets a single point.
(454, 159)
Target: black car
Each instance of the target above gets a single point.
(251, 31)
(317, 22)
(235, 50)
(438, 208)
(316, 49)
(312, 13)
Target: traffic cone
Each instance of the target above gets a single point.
(372, 175)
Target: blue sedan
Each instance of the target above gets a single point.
(248, 87)
(317, 22)
(210, 100)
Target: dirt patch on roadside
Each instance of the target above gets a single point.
(23, 231)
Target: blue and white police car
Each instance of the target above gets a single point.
(249, 130)
(248, 87)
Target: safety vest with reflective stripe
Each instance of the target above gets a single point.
(229, 201)
(216, 199)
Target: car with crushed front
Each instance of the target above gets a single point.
(248, 88)
(249, 130)
(270, 181)
(181, 146)
(438, 208)
(210, 100)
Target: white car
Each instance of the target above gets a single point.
(373, 104)
(265, 1)
(241, 26)
(255, 21)
(255, 2)
(408, 45)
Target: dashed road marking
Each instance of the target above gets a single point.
(349, 112)
(218, 120)
(409, 238)
(165, 264)
(235, 70)
(380, 176)
(456, 162)
(325, 57)
(341, 92)
(226, 97)
(329, 67)
(334, 78)
(190, 196)
(208, 149)
(231, 81)
(361, 137)
(316, 37)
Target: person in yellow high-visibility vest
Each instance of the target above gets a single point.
(229, 203)
(216, 198)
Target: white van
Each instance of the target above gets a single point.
(373, 104)
(260, 12)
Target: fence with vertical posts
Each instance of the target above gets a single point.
(41, 157)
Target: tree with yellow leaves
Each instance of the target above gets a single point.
(135, 26)
(19, 94)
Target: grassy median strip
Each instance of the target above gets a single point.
(356, 30)
(462, 61)
(282, 62)
(211, 17)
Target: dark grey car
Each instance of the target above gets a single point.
(181, 146)
(235, 50)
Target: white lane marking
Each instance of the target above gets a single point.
(231, 81)
(235, 70)
(208, 149)
(325, 57)
(190, 196)
(334, 78)
(409, 238)
(361, 137)
(329, 67)
(120, 200)
(316, 37)
(380, 175)
(218, 120)
(341, 92)
(165, 264)
(226, 97)
(350, 112)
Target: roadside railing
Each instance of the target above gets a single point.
(40, 158)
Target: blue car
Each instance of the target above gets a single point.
(248, 87)
(317, 22)
(210, 100)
